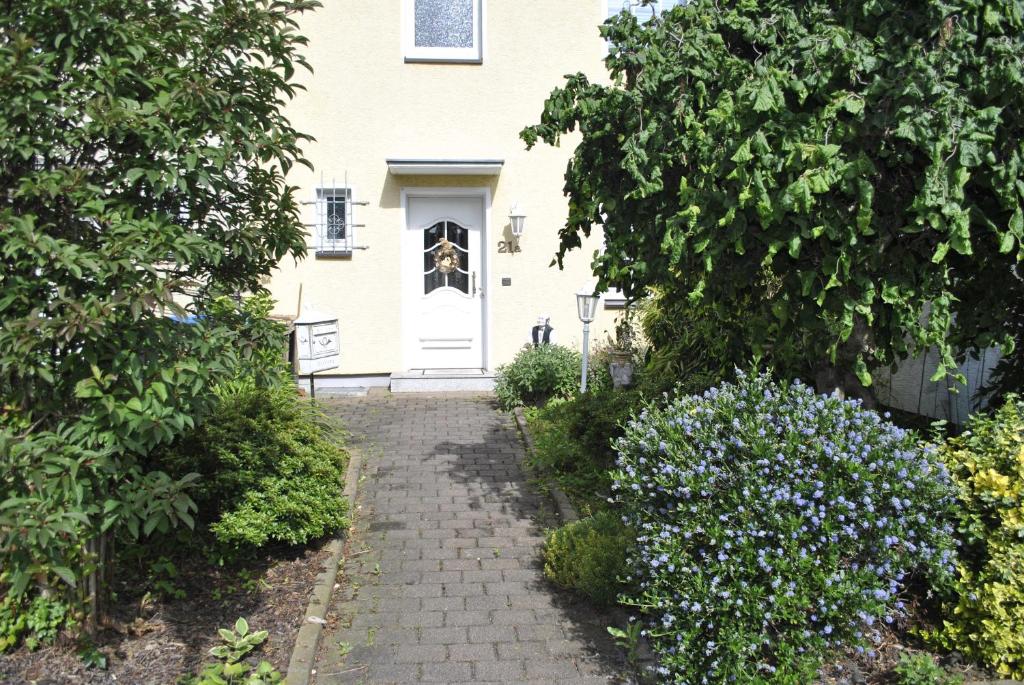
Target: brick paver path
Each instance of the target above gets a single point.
(443, 581)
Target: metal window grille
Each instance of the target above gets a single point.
(334, 226)
(333, 229)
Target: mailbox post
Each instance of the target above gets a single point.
(317, 344)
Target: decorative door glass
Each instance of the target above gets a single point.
(445, 257)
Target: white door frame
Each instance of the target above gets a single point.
(406, 264)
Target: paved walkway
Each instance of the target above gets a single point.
(443, 581)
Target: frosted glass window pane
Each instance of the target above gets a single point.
(444, 23)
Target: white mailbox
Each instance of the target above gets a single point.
(317, 346)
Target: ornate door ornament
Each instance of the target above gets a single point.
(446, 258)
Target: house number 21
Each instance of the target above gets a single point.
(508, 247)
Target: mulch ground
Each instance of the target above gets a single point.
(897, 641)
(151, 641)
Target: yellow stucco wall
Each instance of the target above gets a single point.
(364, 104)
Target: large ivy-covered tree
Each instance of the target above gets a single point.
(850, 174)
(142, 160)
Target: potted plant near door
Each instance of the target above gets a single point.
(622, 352)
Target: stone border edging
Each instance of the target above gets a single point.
(300, 666)
(566, 511)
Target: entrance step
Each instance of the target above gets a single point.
(442, 380)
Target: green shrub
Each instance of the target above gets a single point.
(691, 347)
(775, 527)
(538, 374)
(573, 442)
(985, 619)
(921, 669)
(589, 556)
(270, 469)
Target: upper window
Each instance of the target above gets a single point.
(641, 11)
(443, 30)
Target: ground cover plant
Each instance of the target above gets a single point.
(921, 669)
(843, 179)
(985, 618)
(775, 527)
(573, 442)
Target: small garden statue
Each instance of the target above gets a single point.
(542, 333)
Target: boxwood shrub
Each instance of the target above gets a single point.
(589, 556)
(774, 526)
(985, 618)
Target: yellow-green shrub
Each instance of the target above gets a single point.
(985, 620)
(589, 556)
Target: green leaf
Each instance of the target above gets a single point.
(940, 252)
(743, 153)
(861, 370)
(65, 574)
(764, 98)
(87, 388)
(241, 626)
(1006, 243)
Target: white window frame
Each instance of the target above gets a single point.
(658, 6)
(412, 53)
(324, 246)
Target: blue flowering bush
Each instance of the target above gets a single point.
(774, 526)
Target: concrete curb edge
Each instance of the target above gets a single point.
(566, 511)
(300, 666)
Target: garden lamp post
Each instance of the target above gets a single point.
(586, 307)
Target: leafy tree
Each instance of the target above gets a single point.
(848, 177)
(142, 161)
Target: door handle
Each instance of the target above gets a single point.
(474, 283)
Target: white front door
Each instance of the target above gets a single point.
(443, 282)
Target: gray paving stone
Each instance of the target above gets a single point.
(467, 618)
(449, 635)
(418, 654)
(446, 672)
(443, 603)
(500, 671)
(551, 669)
(494, 634)
(421, 619)
(473, 652)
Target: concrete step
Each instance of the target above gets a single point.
(442, 380)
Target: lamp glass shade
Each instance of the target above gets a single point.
(586, 306)
(517, 218)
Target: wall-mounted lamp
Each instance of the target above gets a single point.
(517, 217)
